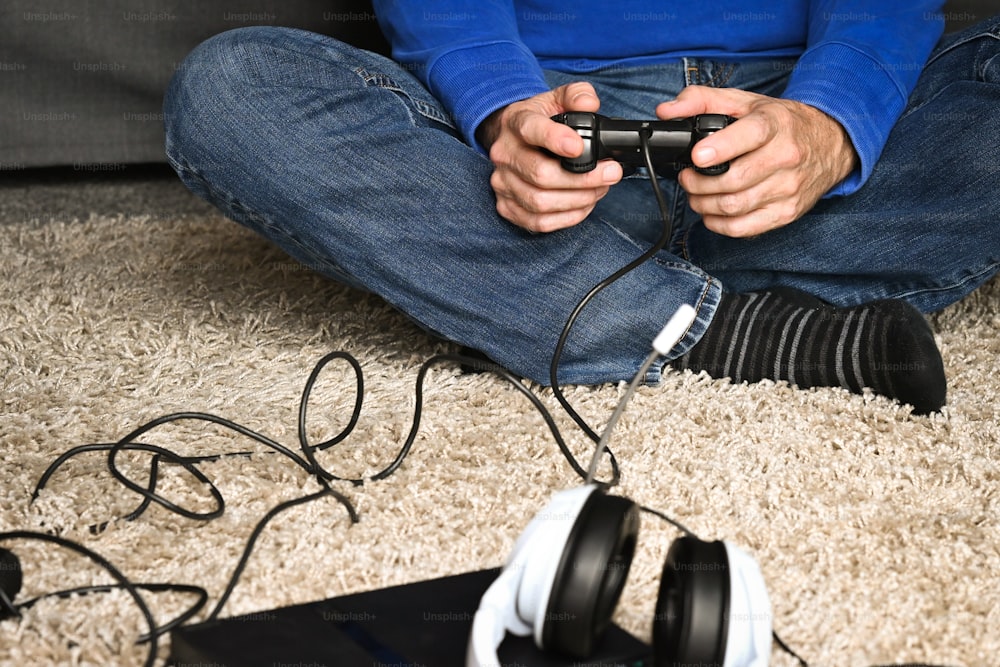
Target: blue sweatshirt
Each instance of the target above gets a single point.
(858, 59)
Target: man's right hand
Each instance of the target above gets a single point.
(533, 191)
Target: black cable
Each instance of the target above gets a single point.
(188, 463)
(122, 580)
(149, 494)
(660, 243)
(309, 463)
(179, 620)
(248, 549)
(404, 451)
(787, 649)
(132, 588)
(97, 528)
(304, 403)
(540, 407)
(221, 421)
(673, 522)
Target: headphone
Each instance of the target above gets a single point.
(568, 569)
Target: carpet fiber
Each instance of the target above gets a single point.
(877, 531)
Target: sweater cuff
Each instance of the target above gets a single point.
(857, 91)
(473, 82)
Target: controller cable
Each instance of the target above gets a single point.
(659, 350)
(661, 242)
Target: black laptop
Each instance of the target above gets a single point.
(423, 624)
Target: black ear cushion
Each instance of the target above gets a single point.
(10, 582)
(692, 608)
(591, 575)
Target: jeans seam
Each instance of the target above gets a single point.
(422, 107)
(679, 206)
(688, 268)
(988, 271)
(721, 74)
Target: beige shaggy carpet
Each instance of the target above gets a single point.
(877, 531)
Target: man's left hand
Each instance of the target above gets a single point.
(784, 156)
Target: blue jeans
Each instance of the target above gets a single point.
(347, 162)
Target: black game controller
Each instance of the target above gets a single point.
(670, 141)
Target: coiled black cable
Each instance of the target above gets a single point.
(307, 461)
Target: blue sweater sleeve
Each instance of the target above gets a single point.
(469, 54)
(861, 62)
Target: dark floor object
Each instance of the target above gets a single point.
(425, 623)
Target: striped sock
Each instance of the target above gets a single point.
(785, 334)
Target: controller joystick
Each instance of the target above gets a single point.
(670, 141)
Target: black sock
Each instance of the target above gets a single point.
(785, 334)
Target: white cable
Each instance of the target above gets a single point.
(669, 336)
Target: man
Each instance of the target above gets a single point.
(862, 186)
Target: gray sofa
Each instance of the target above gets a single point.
(81, 81)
